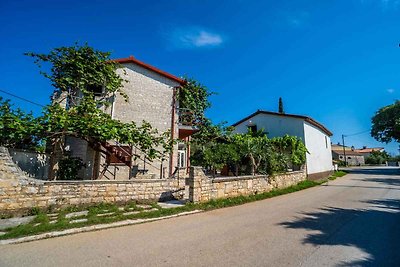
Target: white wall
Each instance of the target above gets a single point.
(320, 157)
(274, 125)
(318, 145)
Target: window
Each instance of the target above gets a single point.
(181, 159)
(97, 90)
(326, 142)
(252, 128)
(181, 156)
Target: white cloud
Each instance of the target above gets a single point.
(194, 37)
(390, 90)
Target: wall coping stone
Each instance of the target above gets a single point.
(66, 182)
(249, 177)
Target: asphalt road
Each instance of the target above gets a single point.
(353, 221)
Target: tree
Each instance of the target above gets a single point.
(386, 123)
(280, 108)
(76, 70)
(377, 158)
(17, 128)
(193, 101)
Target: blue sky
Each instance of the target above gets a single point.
(336, 61)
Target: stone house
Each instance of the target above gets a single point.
(315, 136)
(353, 158)
(152, 98)
(366, 151)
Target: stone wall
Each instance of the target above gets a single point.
(203, 188)
(19, 193)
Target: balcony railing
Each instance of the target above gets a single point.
(187, 117)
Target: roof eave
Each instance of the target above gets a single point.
(305, 118)
(133, 60)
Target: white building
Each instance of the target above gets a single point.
(314, 135)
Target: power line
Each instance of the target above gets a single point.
(347, 135)
(24, 99)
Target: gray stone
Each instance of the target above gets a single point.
(76, 214)
(78, 221)
(13, 222)
(170, 204)
(2, 233)
(53, 222)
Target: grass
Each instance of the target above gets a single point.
(41, 223)
(337, 174)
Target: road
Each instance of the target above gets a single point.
(352, 221)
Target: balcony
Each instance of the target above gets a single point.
(187, 123)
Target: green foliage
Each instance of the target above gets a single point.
(386, 123)
(17, 128)
(377, 158)
(251, 151)
(76, 69)
(193, 97)
(69, 168)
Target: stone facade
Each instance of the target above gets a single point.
(203, 188)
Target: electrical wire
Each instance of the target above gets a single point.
(21, 98)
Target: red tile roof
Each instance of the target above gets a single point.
(133, 60)
(369, 150)
(305, 118)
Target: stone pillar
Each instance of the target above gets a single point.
(195, 180)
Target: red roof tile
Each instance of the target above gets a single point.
(133, 60)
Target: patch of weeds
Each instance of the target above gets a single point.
(5, 216)
(102, 208)
(34, 211)
(40, 218)
(337, 174)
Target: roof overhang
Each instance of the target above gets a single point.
(304, 118)
(133, 60)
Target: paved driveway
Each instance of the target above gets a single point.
(353, 221)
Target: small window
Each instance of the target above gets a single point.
(326, 142)
(97, 90)
(252, 128)
(348, 157)
(181, 158)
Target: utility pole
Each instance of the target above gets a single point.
(344, 151)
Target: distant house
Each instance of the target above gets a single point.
(352, 157)
(366, 151)
(315, 136)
